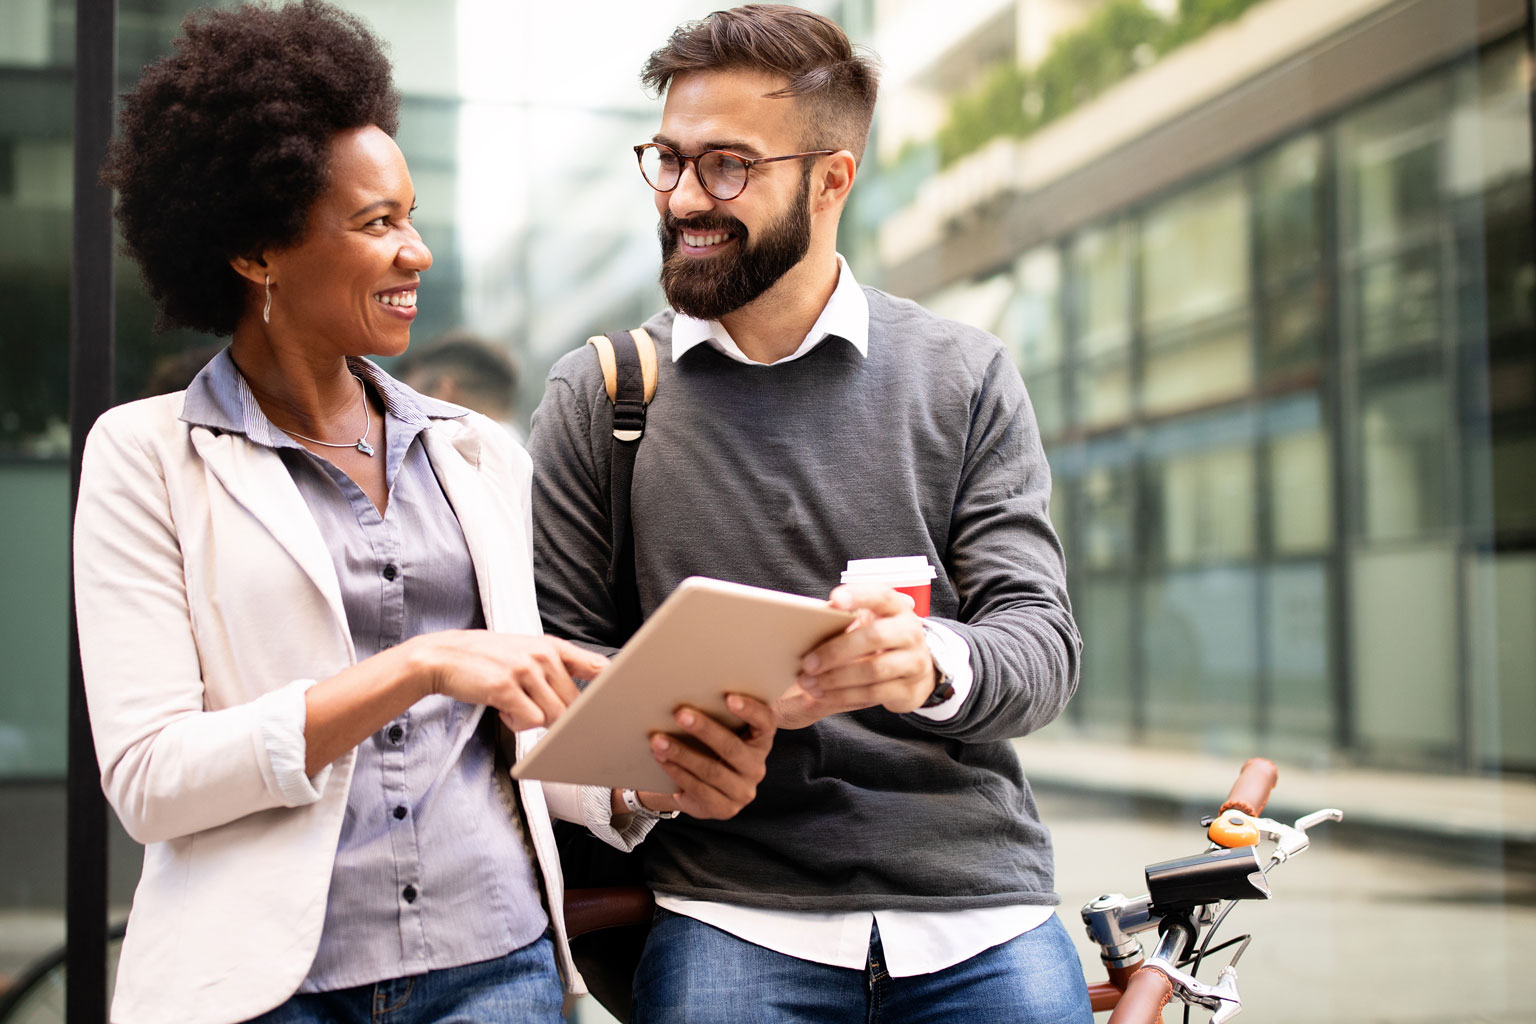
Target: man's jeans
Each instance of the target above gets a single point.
(522, 987)
(692, 973)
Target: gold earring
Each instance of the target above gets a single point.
(266, 311)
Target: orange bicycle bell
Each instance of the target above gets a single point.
(1232, 828)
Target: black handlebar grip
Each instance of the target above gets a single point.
(1144, 998)
(1254, 783)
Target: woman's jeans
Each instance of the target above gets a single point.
(692, 973)
(522, 987)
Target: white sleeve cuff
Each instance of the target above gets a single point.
(952, 655)
(282, 733)
(622, 831)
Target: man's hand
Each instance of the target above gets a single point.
(717, 770)
(881, 659)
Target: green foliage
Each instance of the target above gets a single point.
(1196, 17)
(1118, 39)
(995, 108)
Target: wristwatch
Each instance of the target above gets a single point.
(944, 683)
(632, 804)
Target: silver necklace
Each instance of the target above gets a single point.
(361, 444)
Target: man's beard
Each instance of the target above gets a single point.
(711, 287)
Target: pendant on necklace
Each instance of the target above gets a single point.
(365, 447)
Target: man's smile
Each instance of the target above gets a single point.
(703, 243)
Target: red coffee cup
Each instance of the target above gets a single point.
(909, 574)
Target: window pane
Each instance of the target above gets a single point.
(1390, 189)
(1300, 484)
(1490, 123)
(34, 617)
(1199, 638)
(35, 205)
(1032, 321)
(1496, 275)
(1200, 492)
(1490, 155)
(1101, 263)
(1203, 507)
(1288, 209)
(1103, 611)
(1404, 616)
(1301, 703)
(1197, 372)
(1104, 391)
(1047, 395)
(1396, 302)
(1195, 256)
(1501, 607)
(1106, 510)
(1403, 428)
(1292, 335)
(1390, 174)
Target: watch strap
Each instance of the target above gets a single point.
(943, 682)
(632, 804)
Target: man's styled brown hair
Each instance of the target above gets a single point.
(835, 85)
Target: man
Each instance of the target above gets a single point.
(893, 858)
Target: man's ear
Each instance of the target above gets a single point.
(252, 268)
(832, 180)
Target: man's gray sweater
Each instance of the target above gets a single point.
(776, 476)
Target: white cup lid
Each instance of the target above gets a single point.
(907, 570)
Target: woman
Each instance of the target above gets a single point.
(300, 584)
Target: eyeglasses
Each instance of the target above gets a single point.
(722, 174)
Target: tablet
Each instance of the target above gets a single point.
(707, 639)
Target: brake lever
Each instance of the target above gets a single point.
(1290, 840)
(1222, 998)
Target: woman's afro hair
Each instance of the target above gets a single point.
(222, 145)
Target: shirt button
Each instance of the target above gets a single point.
(409, 893)
(399, 813)
(395, 732)
(390, 572)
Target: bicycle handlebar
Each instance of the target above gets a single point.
(1113, 920)
(1144, 998)
(1254, 784)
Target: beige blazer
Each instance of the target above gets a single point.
(205, 595)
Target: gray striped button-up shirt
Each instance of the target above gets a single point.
(433, 869)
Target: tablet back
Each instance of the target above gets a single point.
(707, 639)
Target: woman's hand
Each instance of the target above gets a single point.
(716, 770)
(529, 680)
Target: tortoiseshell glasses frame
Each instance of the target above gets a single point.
(719, 170)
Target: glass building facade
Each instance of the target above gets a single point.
(1288, 408)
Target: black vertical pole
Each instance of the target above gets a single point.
(91, 336)
(1530, 49)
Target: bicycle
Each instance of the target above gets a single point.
(1189, 895)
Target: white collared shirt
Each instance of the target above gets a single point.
(915, 942)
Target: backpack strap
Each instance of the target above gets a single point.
(628, 361)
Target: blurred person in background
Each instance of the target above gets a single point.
(300, 584)
(176, 370)
(893, 864)
(465, 369)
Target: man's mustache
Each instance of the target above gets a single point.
(703, 225)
